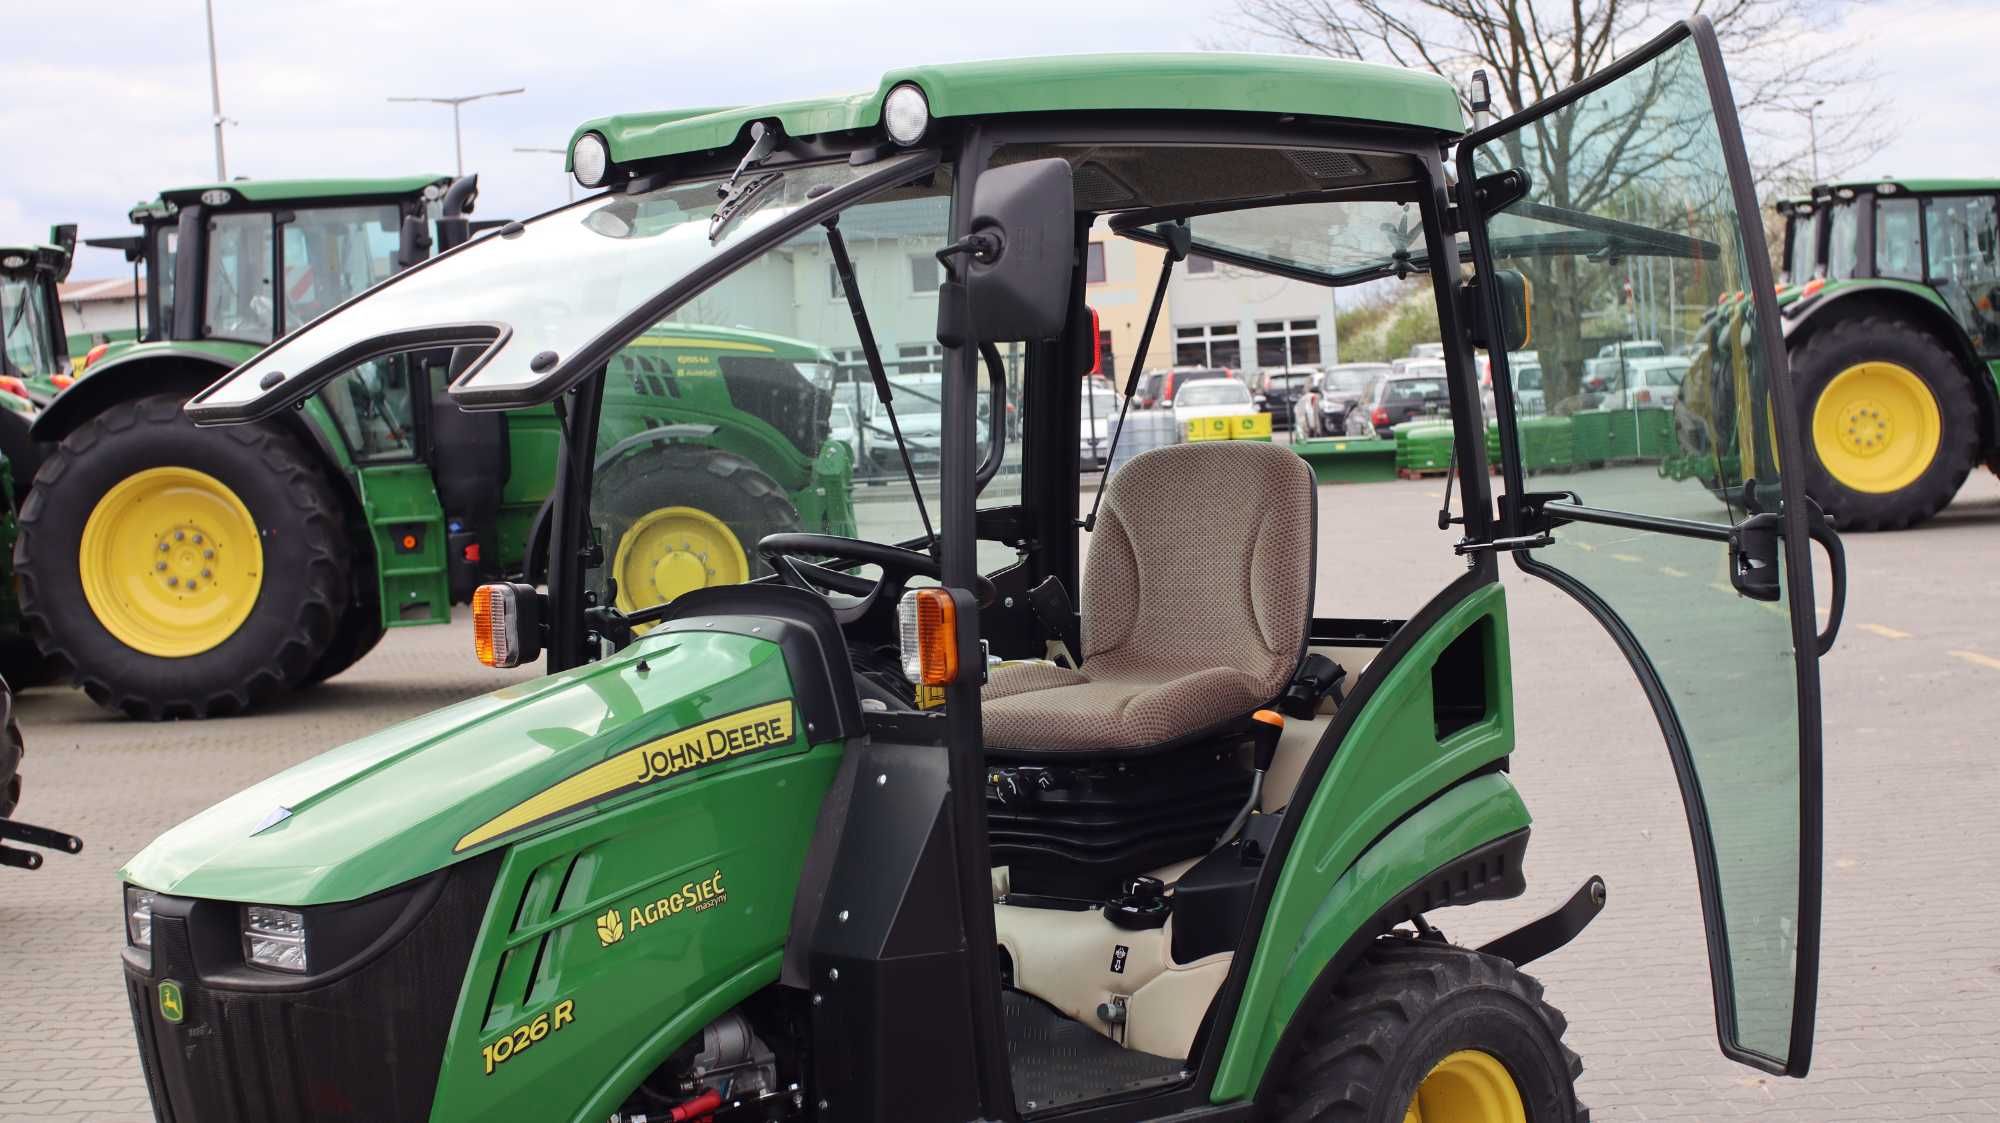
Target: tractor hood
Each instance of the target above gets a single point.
(531, 757)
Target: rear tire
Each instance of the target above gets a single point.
(300, 585)
(11, 751)
(1414, 1013)
(1873, 496)
(360, 629)
(712, 486)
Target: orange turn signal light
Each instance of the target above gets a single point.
(506, 624)
(929, 625)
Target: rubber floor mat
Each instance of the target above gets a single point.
(1056, 1060)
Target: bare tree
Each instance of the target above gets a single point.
(1803, 89)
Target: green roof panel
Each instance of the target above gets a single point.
(1241, 83)
(291, 190)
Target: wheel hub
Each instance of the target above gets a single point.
(1468, 1086)
(675, 550)
(1876, 427)
(171, 562)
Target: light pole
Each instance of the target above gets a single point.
(215, 95)
(457, 143)
(1812, 131)
(568, 180)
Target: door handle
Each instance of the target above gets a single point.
(1753, 563)
(1836, 560)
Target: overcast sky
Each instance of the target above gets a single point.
(109, 99)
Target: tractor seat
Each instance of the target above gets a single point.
(1196, 603)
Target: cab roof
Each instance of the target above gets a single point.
(1912, 186)
(1189, 81)
(14, 259)
(292, 190)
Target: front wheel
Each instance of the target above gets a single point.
(1891, 426)
(1423, 1032)
(181, 572)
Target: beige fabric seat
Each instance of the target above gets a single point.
(1196, 601)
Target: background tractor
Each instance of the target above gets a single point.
(180, 573)
(1891, 324)
(34, 353)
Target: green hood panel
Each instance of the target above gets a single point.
(397, 804)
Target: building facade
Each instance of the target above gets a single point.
(1253, 323)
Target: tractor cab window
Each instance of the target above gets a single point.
(1843, 245)
(333, 253)
(1899, 246)
(238, 286)
(1802, 262)
(1963, 247)
(24, 316)
(160, 277)
(718, 427)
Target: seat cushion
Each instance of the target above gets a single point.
(1196, 601)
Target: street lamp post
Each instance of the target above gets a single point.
(1812, 131)
(568, 180)
(457, 141)
(215, 95)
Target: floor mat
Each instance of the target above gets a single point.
(1056, 1060)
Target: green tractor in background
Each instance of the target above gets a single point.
(1891, 316)
(34, 352)
(848, 842)
(177, 573)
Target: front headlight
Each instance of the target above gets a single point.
(589, 160)
(139, 916)
(274, 939)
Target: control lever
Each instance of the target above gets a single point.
(1266, 726)
(1143, 904)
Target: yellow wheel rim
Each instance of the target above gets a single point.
(171, 562)
(1467, 1087)
(674, 550)
(1876, 427)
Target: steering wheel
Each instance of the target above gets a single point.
(898, 565)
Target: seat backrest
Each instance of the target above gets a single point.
(1202, 558)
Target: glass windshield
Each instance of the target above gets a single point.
(1348, 240)
(537, 293)
(1963, 245)
(24, 316)
(335, 253)
(238, 286)
(1843, 250)
(1213, 392)
(1415, 389)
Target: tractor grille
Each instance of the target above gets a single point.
(365, 1044)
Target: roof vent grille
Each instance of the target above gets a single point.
(1322, 164)
(1098, 190)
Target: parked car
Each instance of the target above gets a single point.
(841, 426)
(1341, 388)
(1653, 382)
(1427, 351)
(1529, 400)
(1157, 388)
(1599, 373)
(1418, 391)
(1279, 391)
(1097, 417)
(1212, 397)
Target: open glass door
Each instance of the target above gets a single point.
(1626, 203)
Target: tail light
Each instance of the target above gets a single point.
(13, 385)
(1643, 396)
(506, 624)
(1380, 417)
(929, 626)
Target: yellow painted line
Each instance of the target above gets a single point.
(1722, 588)
(1885, 632)
(1671, 571)
(1628, 557)
(1975, 658)
(1585, 547)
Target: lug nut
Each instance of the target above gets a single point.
(173, 582)
(206, 554)
(197, 539)
(164, 547)
(160, 565)
(205, 575)
(190, 584)
(179, 534)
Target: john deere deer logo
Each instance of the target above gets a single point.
(170, 1002)
(610, 928)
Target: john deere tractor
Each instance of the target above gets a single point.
(180, 573)
(1891, 324)
(1021, 801)
(34, 360)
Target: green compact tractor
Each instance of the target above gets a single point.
(1891, 315)
(178, 573)
(905, 830)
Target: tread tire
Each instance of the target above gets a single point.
(1860, 339)
(730, 487)
(1404, 1006)
(306, 562)
(359, 630)
(11, 751)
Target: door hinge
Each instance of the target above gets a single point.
(1535, 519)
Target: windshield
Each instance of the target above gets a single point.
(1353, 379)
(24, 315)
(1415, 389)
(331, 255)
(1213, 392)
(535, 296)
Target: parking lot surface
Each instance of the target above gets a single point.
(1909, 1012)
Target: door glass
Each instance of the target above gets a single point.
(160, 274)
(372, 405)
(1802, 262)
(30, 348)
(1634, 245)
(333, 253)
(1964, 248)
(239, 278)
(1899, 248)
(1843, 249)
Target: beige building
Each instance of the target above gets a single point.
(1120, 276)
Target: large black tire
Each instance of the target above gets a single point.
(360, 629)
(1409, 1004)
(304, 579)
(11, 751)
(729, 487)
(1847, 342)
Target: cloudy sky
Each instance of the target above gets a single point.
(110, 98)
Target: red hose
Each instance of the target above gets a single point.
(700, 1107)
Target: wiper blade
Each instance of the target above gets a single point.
(763, 142)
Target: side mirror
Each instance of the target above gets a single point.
(415, 245)
(1019, 279)
(1516, 327)
(63, 236)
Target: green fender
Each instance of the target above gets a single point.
(1346, 862)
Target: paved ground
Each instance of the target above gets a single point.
(1910, 999)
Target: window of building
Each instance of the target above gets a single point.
(1212, 345)
(924, 276)
(1284, 344)
(1107, 363)
(833, 289)
(1093, 264)
(919, 358)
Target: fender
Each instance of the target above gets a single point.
(136, 372)
(1919, 304)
